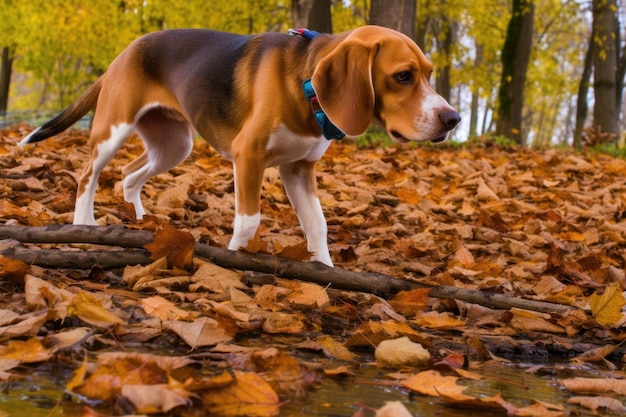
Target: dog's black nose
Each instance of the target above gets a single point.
(449, 119)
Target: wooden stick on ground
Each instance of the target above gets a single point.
(379, 284)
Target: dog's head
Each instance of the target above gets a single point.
(378, 74)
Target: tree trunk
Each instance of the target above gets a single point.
(606, 112)
(445, 40)
(515, 58)
(395, 14)
(582, 108)
(473, 128)
(312, 14)
(6, 65)
(621, 68)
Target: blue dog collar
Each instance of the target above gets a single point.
(305, 33)
(329, 130)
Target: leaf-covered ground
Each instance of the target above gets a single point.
(539, 224)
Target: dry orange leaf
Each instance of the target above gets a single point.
(127, 212)
(607, 308)
(304, 294)
(203, 331)
(157, 398)
(408, 196)
(13, 270)
(163, 309)
(178, 246)
(597, 354)
(6, 365)
(299, 251)
(571, 236)
(88, 308)
(434, 384)
(532, 321)
(26, 351)
(331, 348)
(105, 380)
(256, 245)
(280, 322)
(373, 332)
(393, 409)
(488, 404)
(42, 294)
(401, 352)
(595, 385)
(249, 395)
(343, 370)
(137, 274)
(408, 303)
(435, 320)
(594, 403)
(27, 324)
(215, 279)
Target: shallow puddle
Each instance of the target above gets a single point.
(40, 392)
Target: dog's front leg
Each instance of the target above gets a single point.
(301, 187)
(248, 175)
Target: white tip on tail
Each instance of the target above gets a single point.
(26, 140)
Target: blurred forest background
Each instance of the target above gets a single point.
(538, 72)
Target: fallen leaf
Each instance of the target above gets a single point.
(279, 322)
(42, 294)
(408, 303)
(249, 395)
(339, 371)
(13, 270)
(156, 398)
(612, 405)
(434, 384)
(393, 409)
(177, 246)
(401, 352)
(288, 376)
(133, 274)
(215, 279)
(331, 348)
(163, 309)
(28, 324)
(607, 308)
(7, 365)
(299, 251)
(494, 404)
(595, 385)
(436, 320)
(106, 379)
(203, 331)
(304, 294)
(26, 351)
(534, 322)
(88, 308)
(372, 332)
(66, 339)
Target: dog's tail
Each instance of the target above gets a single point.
(68, 117)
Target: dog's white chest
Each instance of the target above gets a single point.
(284, 146)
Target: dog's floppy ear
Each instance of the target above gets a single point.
(343, 83)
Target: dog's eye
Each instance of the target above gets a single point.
(404, 77)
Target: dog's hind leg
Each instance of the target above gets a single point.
(105, 142)
(168, 140)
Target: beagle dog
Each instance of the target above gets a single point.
(263, 100)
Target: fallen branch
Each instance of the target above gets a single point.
(58, 258)
(379, 284)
